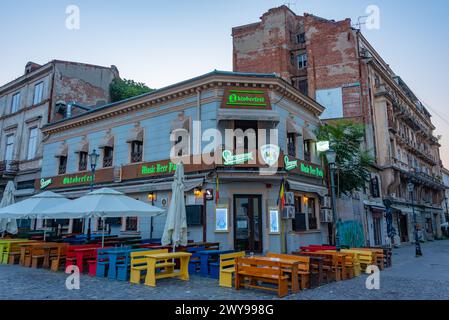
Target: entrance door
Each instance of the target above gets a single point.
(403, 226)
(377, 226)
(248, 223)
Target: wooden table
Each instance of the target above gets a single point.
(24, 247)
(48, 247)
(82, 254)
(288, 264)
(152, 259)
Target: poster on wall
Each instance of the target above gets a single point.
(274, 221)
(221, 219)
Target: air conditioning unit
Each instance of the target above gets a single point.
(288, 212)
(327, 202)
(326, 216)
(289, 199)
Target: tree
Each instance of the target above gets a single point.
(121, 89)
(352, 162)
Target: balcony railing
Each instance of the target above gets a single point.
(107, 162)
(9, 167)
(136, 156)
(62, 169)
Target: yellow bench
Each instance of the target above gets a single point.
(139, 264)
(365, 257)
(380, 256)
(227, 268)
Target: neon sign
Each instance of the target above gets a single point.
(158, 168)
(46, 183)
(77, 179)
(303, 167)
(231, 160)
(246, 98)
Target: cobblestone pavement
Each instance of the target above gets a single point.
(409, 278)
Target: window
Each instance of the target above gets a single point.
(291, 144)
(82, 161)
(302, 61)
(301, 38)
(38, 93)
(250, 129)
(136, 151)
(15, 105)
(306, 217)
(32, 143)
(303, 87)
(62, 168)
(312, 214)
(9, 151)
(108, 157)
(299, 223)
(307, 153)
(131, 224)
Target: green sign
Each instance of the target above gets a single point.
(46, 183)
(246, 98)
(231, 160)
(303, 167)
(290, 165)
(77, 179)
(158, 168)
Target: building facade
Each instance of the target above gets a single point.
(334, 64)
(33, 100)
(445, 204)
(232, 185)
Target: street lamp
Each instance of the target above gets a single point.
(410, 188)
(331, 157)
(93, 158)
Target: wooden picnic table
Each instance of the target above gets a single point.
(47, 248)
(114, 254)
(206, 256)
(152, 259)
(289, 266)
(82, 254)
(24, 248)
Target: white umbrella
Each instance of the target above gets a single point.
(34, 207)
(175, 231)
(8, 224)
(104, 203)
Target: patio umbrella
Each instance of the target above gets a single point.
(8, 224)
(34, 207)
(175, 231)
(104, 203)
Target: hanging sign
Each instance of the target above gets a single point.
(44, 183)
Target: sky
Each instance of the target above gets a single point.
(163, 42)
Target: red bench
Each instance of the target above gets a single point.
(315, 248)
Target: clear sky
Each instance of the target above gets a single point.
(162, 42)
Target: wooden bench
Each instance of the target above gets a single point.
(139, 264)
(303, 267)
(227, 268)
(366, 257)
(11, 251)
(58, 259)
(259, 272)
(380, 256)
(328, 265)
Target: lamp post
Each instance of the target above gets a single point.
(331, 157)
(93, 158)
(410, 188)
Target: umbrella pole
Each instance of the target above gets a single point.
(102, 234)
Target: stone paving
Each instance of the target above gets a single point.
(410, 278)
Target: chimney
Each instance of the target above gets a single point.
(31, 66)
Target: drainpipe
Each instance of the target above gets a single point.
(197, 148)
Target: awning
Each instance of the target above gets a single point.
(404, 210)
(63, 150)
(135, 134)
(374, 205)
(106, 141)
(308, 135)
(292, 127)
(245, 114)
(82, 146)
(305, 187)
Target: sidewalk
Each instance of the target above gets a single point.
(410, 278)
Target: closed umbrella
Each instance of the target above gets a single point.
(104, 203)
(175, 231)
(8, 224)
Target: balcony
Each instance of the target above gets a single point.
(9, 167)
